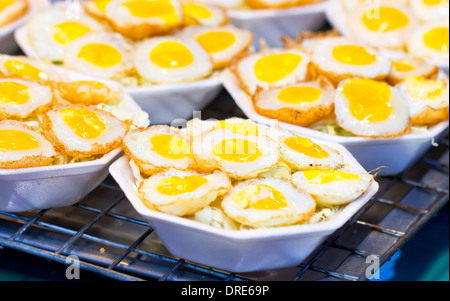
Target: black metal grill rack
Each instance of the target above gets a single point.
(111, 239)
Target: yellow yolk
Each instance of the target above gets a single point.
(369, 100)
(25, 70)
(171, 55)
(423, 89)
(401, 66)
(85, 124)
(237, 150)
(15, 93)
(5, 3)
(146, 9)
(328, 176)
(260, 197)
(15, 140)
(307, 147)
(244, 128)
(298, 95)
(175, 186)
(171, 147)
(100, 55)
(101, 5)
(389, 19)
(196, 11)
(216, 41)
(433, 2)
(438, 39)
(275, 67)
(66, 32)
(354, 55)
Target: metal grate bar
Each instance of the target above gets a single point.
(381, 229)
(402, 206)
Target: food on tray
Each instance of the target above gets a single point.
(82, 120)
(240, 172)
(163, 60)
(431, 41)
(369, 108)
(22, 147)
(271, 68)
(303, 103)
(11, 10)
(341, 58)
(428, 99)
(223, 43)
(155, 42)
(411, 66)
(261, 4)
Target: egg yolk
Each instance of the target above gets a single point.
(438, 39)
(389, 18)
(14, 93)
(420, 88)
(25, 70)
(196, 11)
(85, 124)
(15, 140)
(401, 66)
(307, 147)
(171, 147)
(246, 128)
(216, 41)
(162, 9)
(171, 55)
(260, 197)
(298, 95)
(237, 150)
(328, 176)
(5, 3)
(354, 55)
(100, 55)
(101, 5)
(175, 186)
(275, 67)
(67, 32)
(369, 100)
(433, 2)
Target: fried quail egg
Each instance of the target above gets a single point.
(340, 58)
(301, 104)
(96, 8)
(271, 202)
(183, 193)
(263, 4)
(239, 156)
(302, 153)
(11, 10)
(411, 66)
(169, 59)
(431, 42)
(430, 10)
(333, 187)
(104, 55)
(205, 15)
(382, 24)
(428, 99)
(28, 69)
(21, 99)
(140, 19)
(158, 149)
(22, 147)
(88, 93)
(81, 131)
(223, 43)
(369, 108)
(272, 68)
(50, 31)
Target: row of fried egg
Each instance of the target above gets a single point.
(255, 175)
(418, 27)
(44, 117)
(324, 76)
(258, 4)
(11, 10)
(89, 45)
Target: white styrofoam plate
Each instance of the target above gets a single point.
(395, 155)
(239, 251)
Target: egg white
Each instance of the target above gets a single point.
(417, 47)
(217, 14)
(46, 71)
(430, 13)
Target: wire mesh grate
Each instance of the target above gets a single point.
(111, 239)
